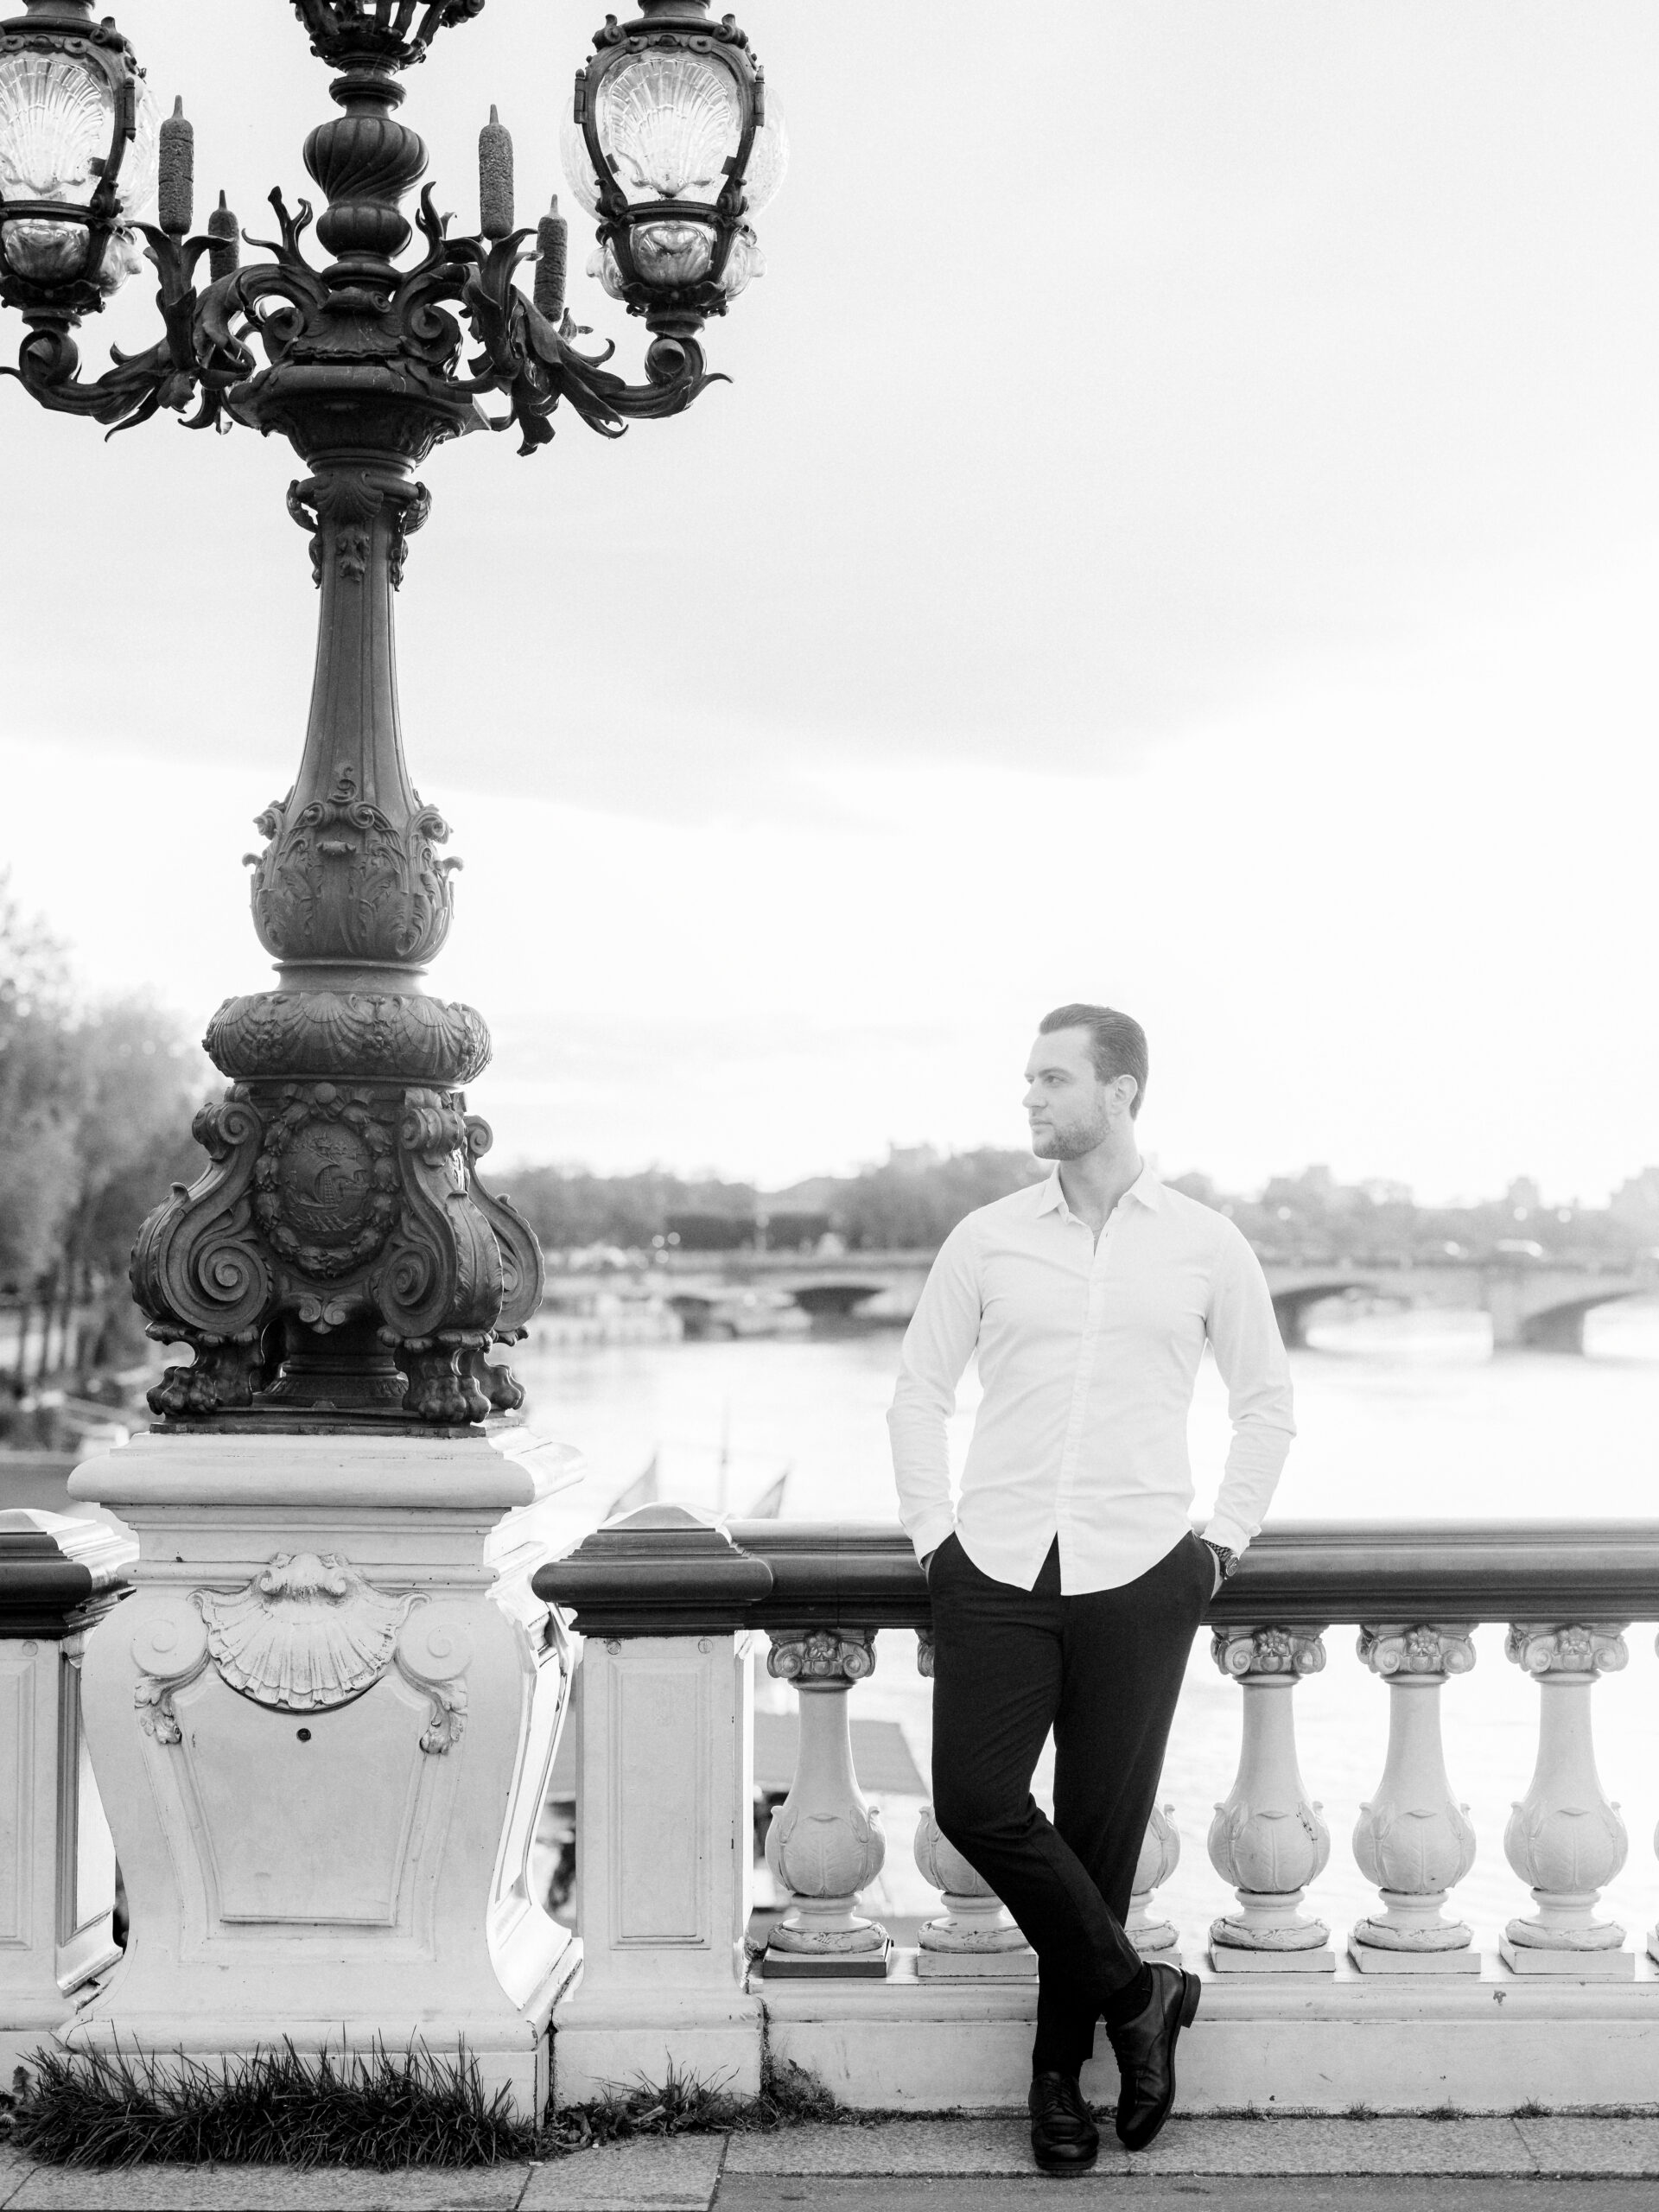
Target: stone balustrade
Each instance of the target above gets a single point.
(948, 2021)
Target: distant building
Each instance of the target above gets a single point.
(1635, 1203)
(712, 1232)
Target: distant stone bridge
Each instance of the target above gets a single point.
(1535, 1305)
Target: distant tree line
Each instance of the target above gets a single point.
(912, 1201)
(96, 1103)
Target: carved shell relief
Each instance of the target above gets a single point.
(308, 1634)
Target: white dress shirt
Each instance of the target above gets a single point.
(1088, 1353)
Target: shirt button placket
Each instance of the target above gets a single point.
(1079, 1414)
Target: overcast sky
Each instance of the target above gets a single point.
(1182, 532)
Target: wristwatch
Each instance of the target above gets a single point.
(1226, 1560)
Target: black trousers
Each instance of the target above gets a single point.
(1103, 1670)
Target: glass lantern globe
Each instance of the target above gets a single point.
(60, 129)
(672, 143)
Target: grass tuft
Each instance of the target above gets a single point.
(686, 2104)
(275, 2107)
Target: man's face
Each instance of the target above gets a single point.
(1069, 1107)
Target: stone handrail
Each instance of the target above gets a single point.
(671, 1604)
(667, 1569)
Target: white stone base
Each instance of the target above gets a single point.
(1224, 1959)
(978, 1966)
(1296, 2043)
(26, 2029)
(597, 2046)
(1372, 1958)
(1567, 1966)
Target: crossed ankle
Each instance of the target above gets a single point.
(1122, 2004)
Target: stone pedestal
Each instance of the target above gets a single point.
(322, 1727)
(1267, 1838)
(1564, 1838)
(1413, 1840)
(58, 1577)
(664, 1862)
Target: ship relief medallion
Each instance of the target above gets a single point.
(326, 1182)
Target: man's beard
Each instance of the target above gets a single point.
(1051, 1143)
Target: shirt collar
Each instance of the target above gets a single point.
(1146, 1188)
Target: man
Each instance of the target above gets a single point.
(1067, 1585)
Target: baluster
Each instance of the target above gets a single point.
(1267, 1840)
(1564, 1839)
(976, 1937)
(1412, 1839)
(825, 1844)
(1161, 1854)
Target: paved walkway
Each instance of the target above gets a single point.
(955, 2166)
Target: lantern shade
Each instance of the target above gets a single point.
(684, 141)
(672, 144)
(57, 131)
(670, 124)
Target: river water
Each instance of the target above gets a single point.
(1404, 1416)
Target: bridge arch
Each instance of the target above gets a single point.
(835, 1301)
(1536, 1317)
(1293, 1302)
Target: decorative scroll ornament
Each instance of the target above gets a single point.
(345, 505)
(342, 879)
(169, 1648)
(1241, 1652)
(821, 1656)
(341, 1208)
(1578, 1648)
(432, 1654)
(1421, 1650)
(308, 1634)
(349, 30)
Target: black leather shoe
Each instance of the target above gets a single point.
(1146, 2054)
(1064, 2137)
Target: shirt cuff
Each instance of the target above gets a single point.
(1228, 1533)
(931, 1532)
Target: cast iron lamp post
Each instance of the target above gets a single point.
(341, 1264)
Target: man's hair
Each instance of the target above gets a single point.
(1117, 1042)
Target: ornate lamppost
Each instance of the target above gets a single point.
(341, 1259)
(340, 1270)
